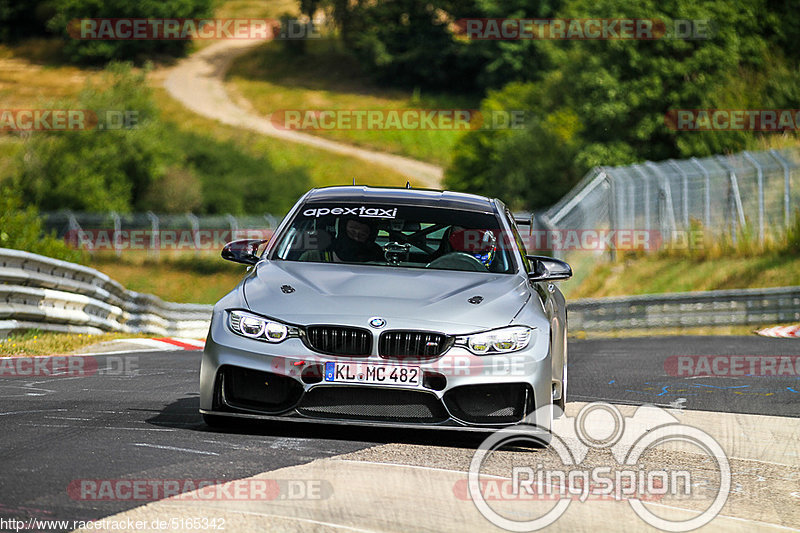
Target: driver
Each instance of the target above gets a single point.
(480, 244)
(355, 241)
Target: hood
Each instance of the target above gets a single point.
(405, 297)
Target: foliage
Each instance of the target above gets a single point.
(21, 229)
(103, 51)
(99, 169)
(416, 43)
(26, 18)
(791, 244)
(605, 102)
(234, 181)
(153, 165)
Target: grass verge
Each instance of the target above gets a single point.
(182, 279)
(653, 275)
(34, 342)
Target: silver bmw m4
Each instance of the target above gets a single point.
(389, 306)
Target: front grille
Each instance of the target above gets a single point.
(339, 340)
(255, 390)
(490, 404)
(366, 403)
(412, 344)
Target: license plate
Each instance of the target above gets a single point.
(405, 376)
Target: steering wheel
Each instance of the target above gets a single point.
(458, 261)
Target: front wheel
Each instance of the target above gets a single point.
(216, 421)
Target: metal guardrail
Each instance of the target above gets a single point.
(53, 295)
(687, 309)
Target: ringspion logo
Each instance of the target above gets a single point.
(569, 477)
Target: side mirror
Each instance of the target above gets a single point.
(548, 269)
(243, 251)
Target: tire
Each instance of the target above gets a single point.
(216, 421)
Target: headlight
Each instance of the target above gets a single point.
(503, 340)
(259, 328)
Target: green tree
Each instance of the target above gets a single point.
(24, 19)
(103, 51)
(605, 102)
(100, 168)
(21, 229)
(418, 43)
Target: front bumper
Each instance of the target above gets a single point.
(250, 379)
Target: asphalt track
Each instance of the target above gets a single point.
(142, 423)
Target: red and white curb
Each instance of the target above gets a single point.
(160, 344)
(786, 332)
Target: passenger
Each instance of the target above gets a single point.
(355, 242)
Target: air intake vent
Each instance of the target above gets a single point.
(367, 403)
(254, 390)
(502, 403)
(338, 340)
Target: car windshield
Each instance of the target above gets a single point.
(396, 236)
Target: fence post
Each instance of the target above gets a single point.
(234, 225)
(707, 196)
(193, 220)
(115, 237)
(155, 241)
(685, 193)
(551, 228)
(734, 198)
(73, 228)
(760, 178)
(786, 186)
(614, 206)
(667, 190)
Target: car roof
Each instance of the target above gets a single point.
(397, 196)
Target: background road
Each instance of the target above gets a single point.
(198, 83)
(145, 425)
